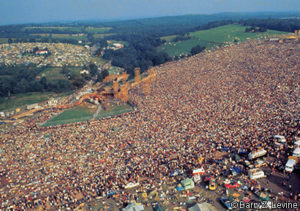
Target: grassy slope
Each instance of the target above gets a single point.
(211, 37)
(76, 114)
(115, 111)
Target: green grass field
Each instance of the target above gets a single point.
(211, 38)
(49, 28)
(116, 110)
(20, 100)
(53, 73)
(98, 29)
(76, 114)
(63, 36)
(102, 35)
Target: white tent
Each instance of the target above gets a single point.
(202, 207)
(133, 207)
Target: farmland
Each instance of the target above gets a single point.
(62, 36)
(52, 28)
(98, 29)
(211, 38)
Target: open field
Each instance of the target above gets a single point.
(211, 38)
(19, 100)
(98, 29)
(50, 28)
(116, 110)
(62, 36)
(53, 73)
(103, 35)
(77, 114)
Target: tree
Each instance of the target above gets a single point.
(197, 49)
(65, 71)
(93, 69)
(102, 75)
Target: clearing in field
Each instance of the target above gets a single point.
(211, 38)
(77, 114)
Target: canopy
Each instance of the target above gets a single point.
(188, 184)
(202, 207)
(133, 207)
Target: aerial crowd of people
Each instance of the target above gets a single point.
(235, 97)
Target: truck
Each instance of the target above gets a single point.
(297, 144)
(291, 164)
(279, 142)
(257, 153)
(296, 152)
(256, 173)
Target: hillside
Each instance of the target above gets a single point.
(213, 105)
(211, 38)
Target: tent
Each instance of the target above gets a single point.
(133, 207)
(202, 207)
(188, 184)
(179, 187)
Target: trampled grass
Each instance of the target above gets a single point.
(116, 110)
(211, 38)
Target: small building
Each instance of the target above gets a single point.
(52, 102)
(188, 184)
(84, 72)
(2, 114)
(42, 52)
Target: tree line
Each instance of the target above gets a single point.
(15, 79)
(141, 52)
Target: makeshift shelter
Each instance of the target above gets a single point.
(133, 207)
(188, 184)
(179, 187)
(202, 207)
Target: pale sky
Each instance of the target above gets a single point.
(26, 11)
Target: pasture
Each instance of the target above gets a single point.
(211, 38)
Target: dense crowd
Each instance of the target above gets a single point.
(236, 97)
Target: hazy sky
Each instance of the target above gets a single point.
(24, 11)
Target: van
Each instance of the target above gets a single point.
(297, 144)
(256, 173)
(296, 152)
(256, 154)
(289, 166)
(280, 139)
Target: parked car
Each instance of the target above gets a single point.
(226, 202)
